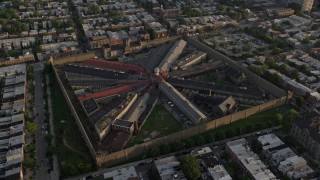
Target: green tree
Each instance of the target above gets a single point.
(30, 148)
(305, 40)
(155, 151)
(299, 101)
(209, 137)
(315, 27)
(256, 145)
(317, 44)
(256, 70)
(189, 143)
(293, 115)
(220, 135)
(190, 167)
(222, 8)
(276, 51)
(29, 162)
(295, 6)
(93, 9)
(153, 34)
(84, 167)
(153, 173)
(51, 149)
(165, 148)
(278, 118)
(31, 127)
(49, 137)
(70, 169)
(176, 146)
(199, 140)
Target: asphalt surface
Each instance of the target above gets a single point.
(42, 162)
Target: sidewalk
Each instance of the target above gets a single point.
(55, 174)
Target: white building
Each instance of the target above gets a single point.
(249, 160)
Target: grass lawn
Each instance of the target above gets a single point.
(212, 79)
(159, 120)
(258, 121)
(68, 130)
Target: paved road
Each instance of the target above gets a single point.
(41, 144)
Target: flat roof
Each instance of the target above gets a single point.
(269, 141)
(250, 160)
(183, 103)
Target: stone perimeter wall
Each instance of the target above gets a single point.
(104, 159)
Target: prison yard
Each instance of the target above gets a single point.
(123, 105)
(160, 123)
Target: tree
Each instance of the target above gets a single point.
(182, 21)
(276, 51)
(165, 148)
(221, 8)
(256, 145)
(176, 146)
(84, 167)
(295, 6)
(153, 174)
(278, 118)
(305, 40)
(300, 101)
(51, 149)
(189, 143)
(93, 9)
(230, 133)
(317, 44)
(315, 27)
(29, 162)
(30, 148)
(256, 70)
(49, 137)
(155, 151)
(209, 137)
(293, 115)
(190, 167)
(31, 127)
(220, 135)
(153, 34)
(199, 140)
(70, 169)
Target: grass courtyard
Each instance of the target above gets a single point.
(258, 121)
(160, 120)
(72, 152)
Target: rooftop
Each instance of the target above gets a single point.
(250, 160)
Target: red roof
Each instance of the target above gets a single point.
(107, 92)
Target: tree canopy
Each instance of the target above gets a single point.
(190, 167)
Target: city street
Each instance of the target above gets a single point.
(42, 165)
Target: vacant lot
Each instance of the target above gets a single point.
(161, 121)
